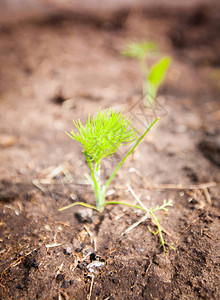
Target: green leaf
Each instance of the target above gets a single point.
(103, 134)
(139, 50)
(158, 71)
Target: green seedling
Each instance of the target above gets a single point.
(152, 76)
(101, 137)
(157, 222)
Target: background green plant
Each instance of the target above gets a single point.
(152, 76)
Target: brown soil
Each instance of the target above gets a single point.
(59, 69)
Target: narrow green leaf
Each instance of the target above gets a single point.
(129, 152)
(77, 203)
(158, 71)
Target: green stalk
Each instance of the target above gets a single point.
(129, 152)
(78, 203)
(144, 70)
(97, 186)
(124, 203)
(159, 231)
(150, 93)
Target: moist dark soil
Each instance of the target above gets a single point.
(61, 68)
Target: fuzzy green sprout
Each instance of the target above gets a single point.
(101, 137)
(152, 76)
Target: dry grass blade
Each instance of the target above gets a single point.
(136, 197)
(91, 286)
(200, 186)
(207, 195)
(142, 219)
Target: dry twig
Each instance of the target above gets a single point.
(207, 195)
(200, 186)
(91, 286)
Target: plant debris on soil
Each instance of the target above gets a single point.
(56, 72)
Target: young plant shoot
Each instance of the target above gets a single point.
(152, 76)
(101, 137)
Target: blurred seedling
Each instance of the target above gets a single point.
(101, 137)
(153, 76)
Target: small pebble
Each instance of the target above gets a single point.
(84, 215)
(94, 264)
(67, 250)
(139, 249)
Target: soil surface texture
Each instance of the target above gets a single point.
(58, 69)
